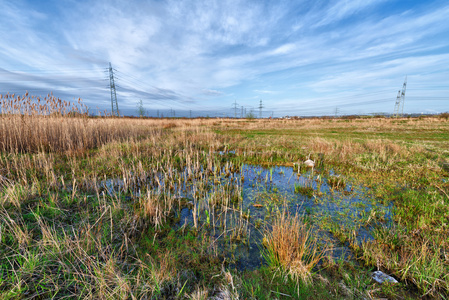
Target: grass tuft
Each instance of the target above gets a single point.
(290, 247)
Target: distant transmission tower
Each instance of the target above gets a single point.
(400, 99)
(260, 109)
(114, 103)
(235, 106)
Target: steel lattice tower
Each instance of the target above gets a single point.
(260, 109)
(114, 104)
(235, 106)
(400, 99)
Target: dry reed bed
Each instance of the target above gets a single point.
(60, 134)
(32, 124)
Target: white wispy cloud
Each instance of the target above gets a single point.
(265, 92)
(345, 8)
(212, 92)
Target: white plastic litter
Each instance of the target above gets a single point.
(381, 277)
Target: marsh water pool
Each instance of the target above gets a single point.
(235, 206)
(324, 199)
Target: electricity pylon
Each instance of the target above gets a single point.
(235, 106)
(400, 99)
(260, 109)
(114, 104)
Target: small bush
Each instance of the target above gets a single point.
(444, 115)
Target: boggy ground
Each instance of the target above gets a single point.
(66, 233)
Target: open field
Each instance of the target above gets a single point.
(191, 209)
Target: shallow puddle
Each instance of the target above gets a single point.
(266, 191)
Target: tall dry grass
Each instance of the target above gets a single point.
(50, 124)
(291, 248)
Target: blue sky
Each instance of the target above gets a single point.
(298, 57)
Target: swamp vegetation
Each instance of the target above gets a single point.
(126, 208)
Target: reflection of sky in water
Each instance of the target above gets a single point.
(349, 207)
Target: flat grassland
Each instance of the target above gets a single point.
(91, 207)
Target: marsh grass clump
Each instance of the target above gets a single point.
(305, 190)
(291, 248)
(336, 182)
